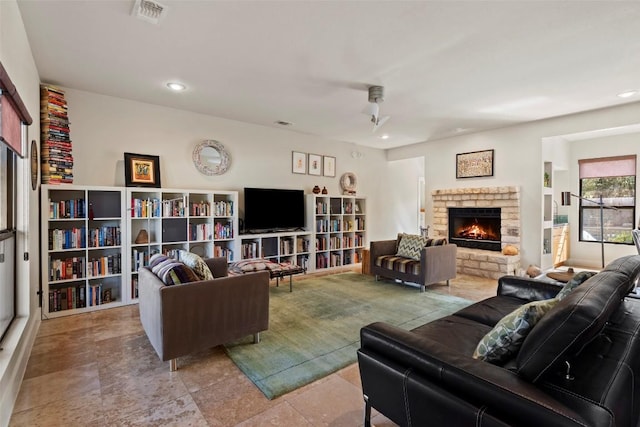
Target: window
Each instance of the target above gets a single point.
(612, 182)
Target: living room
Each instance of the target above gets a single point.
(104, 127)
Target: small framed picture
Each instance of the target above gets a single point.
(298, 162)
(315, 164)
(329, 166)
(141, 170)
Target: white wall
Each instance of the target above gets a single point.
(582, 253)
(103, 128)
(518, 162)
(17, 59)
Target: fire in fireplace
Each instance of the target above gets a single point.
(477, 228)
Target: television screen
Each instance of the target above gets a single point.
(272, 209)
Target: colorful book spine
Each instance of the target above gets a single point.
(56, 158)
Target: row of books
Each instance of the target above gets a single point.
(249, 250)
(56, 152)
(221, 251)
(155, 208)
(67, 268)
(67, 209)
(223, 231)
(104, 266)
(73, 238)
(79, 297)
(106, 235)
(139, 259)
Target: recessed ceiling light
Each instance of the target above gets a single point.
(283, 123)
(385, 136)
(176, 86)
(628, 94)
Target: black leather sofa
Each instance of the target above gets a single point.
(579, 365)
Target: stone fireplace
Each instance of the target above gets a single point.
(476, 205)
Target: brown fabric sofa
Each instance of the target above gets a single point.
(185, 318)
(437, 263)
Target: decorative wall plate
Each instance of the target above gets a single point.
(211, 158)
(348, 182)
(35, 165)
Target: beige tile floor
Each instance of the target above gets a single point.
(99, 369)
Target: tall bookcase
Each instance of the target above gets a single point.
(338, 230)
(82, 252)
(167, 220)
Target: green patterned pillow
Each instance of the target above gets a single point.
(575, 281)
(197, 264)
(411, 245)
(504, 340)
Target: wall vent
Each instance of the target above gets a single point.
(149, 11)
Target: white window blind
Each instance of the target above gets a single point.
(606, 167)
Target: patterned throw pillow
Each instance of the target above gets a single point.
(504, 340)
(197, 264)
(173, 272)
(156, 259)
(411, 245)
(575, 281)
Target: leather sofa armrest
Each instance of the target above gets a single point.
(485, 384)
(382, 247)
(526, 289)
(218, 266)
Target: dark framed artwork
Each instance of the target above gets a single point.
(141, 170)
(474, 164)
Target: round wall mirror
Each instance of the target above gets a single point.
(211, 158)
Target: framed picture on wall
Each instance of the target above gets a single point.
(474, 164)
(298, 162)
(141, 170)
(315, 164)
(329, 166)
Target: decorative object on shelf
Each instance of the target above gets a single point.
(510, 250)
(298, 162)
(566, 201)
(547, 180)
(315, 164)
(329, 166)
(141, 170)
(142, 237)
(533, 271)
(474, 164)
(211, 158)
(91, 215)
(348, 183)
(324, 190)
(316, 190)
(34, 164)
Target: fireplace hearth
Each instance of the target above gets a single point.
(476, 228)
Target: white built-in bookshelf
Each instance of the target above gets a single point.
(95, 239)
(82, 249)
(338, 230)
(202, 222)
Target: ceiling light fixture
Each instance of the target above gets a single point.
(282, 123)
(627, 94)
(385, 136)
(176, 86)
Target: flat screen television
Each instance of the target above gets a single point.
(273, 209)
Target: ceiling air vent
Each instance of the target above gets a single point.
(149, 11)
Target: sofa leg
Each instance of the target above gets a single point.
(377, 277)
(367, 412)
(423, 288)
(448, 284)
(256, 338)
(173, 365)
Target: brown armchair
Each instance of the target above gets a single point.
(185, 318)
(436, 264)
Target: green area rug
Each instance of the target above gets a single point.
(315, 330)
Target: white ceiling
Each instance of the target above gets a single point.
(447, 66)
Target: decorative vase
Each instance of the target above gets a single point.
(324, 190)
(143, 237)
(316, 190)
